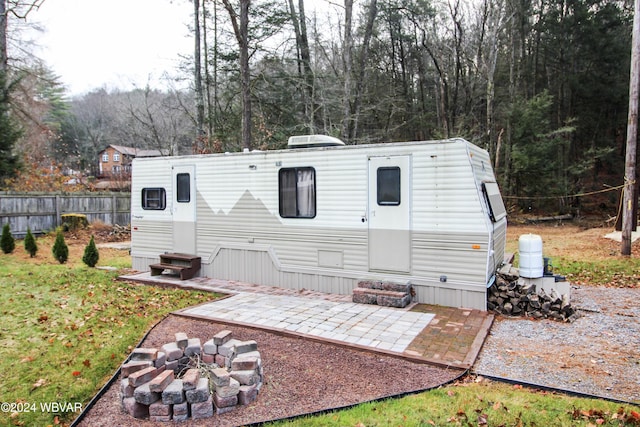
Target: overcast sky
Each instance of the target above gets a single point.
(91, 44)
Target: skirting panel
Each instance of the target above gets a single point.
(260, 265)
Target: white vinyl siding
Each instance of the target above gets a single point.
(241, 234)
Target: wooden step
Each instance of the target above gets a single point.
(185, 265)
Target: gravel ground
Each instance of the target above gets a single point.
(301, 376)
(598, 354)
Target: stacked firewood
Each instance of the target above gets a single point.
(122, 232)
(509, 297)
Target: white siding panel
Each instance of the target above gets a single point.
(241, 236)
(150, 239)
(451, 255)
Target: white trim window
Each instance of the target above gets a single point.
(154, 199)
(297, 192)
(116, 157)
(105, 157)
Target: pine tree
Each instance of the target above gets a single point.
(60, 249)
(7, 242)
(30, 244)
(10, 132)
(91, 254)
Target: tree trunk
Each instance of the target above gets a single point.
(241, 30)
(198, 73)
(364, 55)
(347, 67)
(210, 116)
(3, 37)
(304, 62)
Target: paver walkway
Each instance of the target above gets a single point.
(435, 334)
(365, 325)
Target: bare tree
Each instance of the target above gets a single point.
(198, 89)
(19, 9)
(240, 24)
(362, 67)
(304, 62)
(492, 16)
(347, 47)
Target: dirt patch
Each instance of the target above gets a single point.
(301, 376)
(571, 241)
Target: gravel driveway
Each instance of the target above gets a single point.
(598, 354)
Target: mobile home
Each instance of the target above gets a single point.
(323, 216)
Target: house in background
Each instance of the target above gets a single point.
(115, 160)
(114, 166)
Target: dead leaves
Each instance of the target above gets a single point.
(41, 382)
(596, 417)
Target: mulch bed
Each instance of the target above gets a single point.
(301, 376)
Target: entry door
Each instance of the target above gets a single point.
(389, 214)
(184, 209)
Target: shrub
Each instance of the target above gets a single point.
(91, 254)
(7, 242)
(60, 249)
(30, 244)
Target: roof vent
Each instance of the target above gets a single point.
(306, 141)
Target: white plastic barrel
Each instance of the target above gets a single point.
(531, 261)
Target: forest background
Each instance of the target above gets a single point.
(541, 84)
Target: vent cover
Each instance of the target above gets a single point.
(306, 141)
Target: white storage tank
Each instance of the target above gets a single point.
(531, 262)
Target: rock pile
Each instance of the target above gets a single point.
(186, 379)
(509, 297)
(122, 232)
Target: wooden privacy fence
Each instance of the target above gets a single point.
(42, 212)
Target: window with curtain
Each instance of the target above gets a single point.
(297, 192)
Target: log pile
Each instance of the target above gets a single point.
(510, 298)
(122, 232)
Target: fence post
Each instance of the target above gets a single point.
(58, 213)
(114, 210)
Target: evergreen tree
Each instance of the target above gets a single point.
(30, 244)
(7, 242)
(91, 254)
(60, 249)
(9, 134)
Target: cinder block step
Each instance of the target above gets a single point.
(385, 286)
(382, 297)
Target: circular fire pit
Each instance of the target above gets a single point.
(186, 379)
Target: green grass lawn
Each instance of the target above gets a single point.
(481, 403)
(65, 329)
